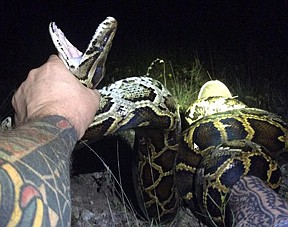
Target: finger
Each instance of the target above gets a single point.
(97, 93)
(20, 110)
(14, 102)
(53, 57)
(16, 119)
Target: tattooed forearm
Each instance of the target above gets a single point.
(34, 173)
(254, 204)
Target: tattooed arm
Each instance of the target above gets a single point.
(34, 173)
(52, 111)
(254, 204)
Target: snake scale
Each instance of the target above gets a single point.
(225, 140)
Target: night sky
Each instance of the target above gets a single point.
(250, 34)
(234, 31)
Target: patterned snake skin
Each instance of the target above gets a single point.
(138, 103)
(225, 141)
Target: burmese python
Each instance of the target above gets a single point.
(221, 145)
(138, 103)
(225, 141)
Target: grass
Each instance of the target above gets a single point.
(183, 80)
(256, 86)
(117, 208)
(183, 83)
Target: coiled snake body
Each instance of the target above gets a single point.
(223, 143)
(138, 103)
(225, 140)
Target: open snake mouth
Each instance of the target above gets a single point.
(69, 53)
(224, 141)
(88, 67)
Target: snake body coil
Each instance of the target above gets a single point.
(225, 141)
(145, 105)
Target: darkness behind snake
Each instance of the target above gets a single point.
(247, 40)
(119, 161)
(251, 36)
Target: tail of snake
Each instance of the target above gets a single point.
(225, 141)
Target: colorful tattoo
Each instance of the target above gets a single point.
(255, 204)
(34, 173)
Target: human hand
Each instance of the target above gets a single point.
(52, 90)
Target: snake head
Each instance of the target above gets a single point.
(213, 97)
(89, 67)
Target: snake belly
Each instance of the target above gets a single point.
(145, 105)
(139, 103)
(226, 140)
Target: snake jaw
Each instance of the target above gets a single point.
(69, 54)
(97, 51)
(89, 67)
(214, 97)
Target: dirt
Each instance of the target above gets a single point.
(96, 197)
(95, 202)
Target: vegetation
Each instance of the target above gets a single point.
(256, 86)
(184, 80)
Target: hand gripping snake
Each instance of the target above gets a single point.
(225, 141)
(138, 103)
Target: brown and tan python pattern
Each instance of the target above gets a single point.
(138, 103)
(224, 143)
(226, 139)
(145, 105)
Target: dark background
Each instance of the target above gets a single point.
(239, 33)
(251, 37)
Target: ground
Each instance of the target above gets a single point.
(96, 200)
(95, 203)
